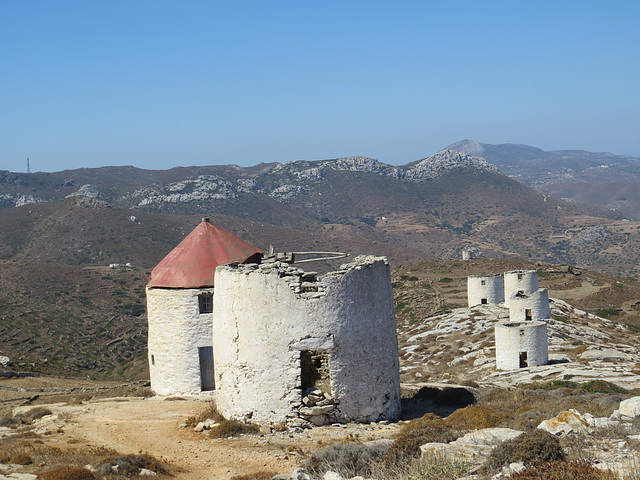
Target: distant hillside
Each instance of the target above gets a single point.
(91, 321)
(426, 209)
(602, 179)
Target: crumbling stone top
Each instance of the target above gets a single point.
(486, 275)
(306, 284)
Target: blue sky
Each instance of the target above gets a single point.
(161, 83)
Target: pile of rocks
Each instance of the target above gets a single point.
(317, 408)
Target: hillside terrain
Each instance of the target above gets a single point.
(602, 179)
(91, 321)
(63, 309)
(427, 209)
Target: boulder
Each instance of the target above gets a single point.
(568, 421)
(630, 407)
(474, 446)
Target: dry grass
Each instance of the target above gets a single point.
(210, 412)
(562, 470)
(260, 475)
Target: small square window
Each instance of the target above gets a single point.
(205, 302)
(483, 282)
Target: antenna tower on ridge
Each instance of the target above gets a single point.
(28, 167)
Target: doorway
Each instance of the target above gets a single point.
(207, 381)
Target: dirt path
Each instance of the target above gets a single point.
(152, 426)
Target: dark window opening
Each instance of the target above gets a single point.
(523, 360)
(520, 276)
(483, 282)
(205, 302)
(483, 301)
(153, 360)
(315, 373)
(527, 314)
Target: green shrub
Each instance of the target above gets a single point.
(602, 386)
(446, 280)
(530, 448)
(561, 470)
(607, 312)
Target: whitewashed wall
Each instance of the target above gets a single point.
(519, 280)
(537, 302)
(492, 290)
(264, 316)
(176, 330)
(515, 337)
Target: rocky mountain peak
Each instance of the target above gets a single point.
(445, 161)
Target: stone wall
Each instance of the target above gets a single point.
(521, 344)
(177, 330)
(279, 328)
(485, 289)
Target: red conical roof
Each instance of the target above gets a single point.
(193, 262)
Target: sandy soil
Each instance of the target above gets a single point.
(152, 426)
(137, 425)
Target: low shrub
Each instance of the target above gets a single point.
(563, 470)
(427, 429)
(437, 468)
(209, 413)
(348, 459)
(35, 414)
(530, 448)
(68, 473)
(232, 428)
(131, 465)
(475, 417)
(9, 421)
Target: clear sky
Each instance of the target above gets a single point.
(162, 83)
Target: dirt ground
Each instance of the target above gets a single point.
(132, 425)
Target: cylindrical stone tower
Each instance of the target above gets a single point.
(180, 306)
(519, 281)
(534, 306)
(290, 347)
(521, 344)
(485, 289)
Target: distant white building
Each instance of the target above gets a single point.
(521, 344)
(522, 341)
(485, 289)
(533, 306)
(519, 281)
